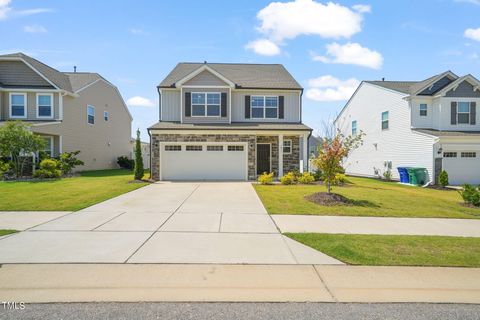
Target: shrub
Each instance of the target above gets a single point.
(266, 178)
(443, 178)
(6, 170)
(289, 178)
(387, 175)
(68, 161)
(470, 195)
(48, 169)
(317, 175)
(125, 163)
(306, 178)
(340, 179)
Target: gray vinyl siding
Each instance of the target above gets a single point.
(17, 73)
(205, 119)
(464, 90)
(205, 78)
(442, 83)
(291, 105)
(170, 105)
(31, 105)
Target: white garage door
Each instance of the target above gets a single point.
(462, 167)
(203, 161)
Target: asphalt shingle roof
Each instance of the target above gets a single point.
(79, 80)
(271, 76)
(164, 125)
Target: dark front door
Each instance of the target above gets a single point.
(263, 158)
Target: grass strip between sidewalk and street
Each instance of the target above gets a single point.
(7, 232)
(395, 250)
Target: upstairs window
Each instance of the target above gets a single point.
(423, 109)
(90, 114)
(385, 123)
(18, 105)
(44, 106)
(354, 128)
(206, 104)
(264, 107)
(463, 113)
(106, 116)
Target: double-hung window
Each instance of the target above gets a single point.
(287, 146)
(18, 105)
(423, 109)
(106, 116)
(90, 114)
(385, 120)
(264, 107)
(206, 104)
(48, 146)
(463, 113)
(354, 127)
(45, 106)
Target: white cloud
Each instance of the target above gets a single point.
(329, 88)
(31, 12)
(473, 34)
(263, 47)
(4, 9)
(138, 101)
(138, 32)
(477, 2)
(287, 20)
(351, 53)
(362, 8)
(35, 28)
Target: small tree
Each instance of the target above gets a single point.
(138, 158)
(68, 161)
(332, 153)
(18, 143)
(443, 178)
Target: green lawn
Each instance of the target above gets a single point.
(5, 232)
(373, 197)
(380, 250)
(68, 194)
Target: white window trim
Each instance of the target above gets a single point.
(25, 107)
(458, 113)
(356, 128)
(388, 120)
(106, 114)
(51, 106)
(420, 110)
(89, 105)
(205, 105)
(51, 144)
(264, 106)
(291, 146)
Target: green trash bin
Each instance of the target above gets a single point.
(412, 177)
(418, 176)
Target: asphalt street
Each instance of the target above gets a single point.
(258, 311)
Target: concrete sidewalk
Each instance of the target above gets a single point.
(22, 220)
(378, 225)
(239, 283)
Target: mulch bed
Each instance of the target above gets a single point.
(328, 199)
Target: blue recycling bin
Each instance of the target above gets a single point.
(403, 172)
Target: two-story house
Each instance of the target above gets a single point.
(71, 110)
(222, 121)
(433, 124)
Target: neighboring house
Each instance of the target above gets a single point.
(228, 121)
(314, 143)
(433, 124)
(145, 146)
(72, 111)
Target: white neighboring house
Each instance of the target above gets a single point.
(433, 124)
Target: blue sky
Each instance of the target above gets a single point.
(328, 48)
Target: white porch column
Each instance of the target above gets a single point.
(280, 155)
(305, 155)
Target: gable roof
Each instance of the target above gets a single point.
(79, 80)
(452, 85)
(243, 75)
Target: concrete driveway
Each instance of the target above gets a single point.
(166, 222)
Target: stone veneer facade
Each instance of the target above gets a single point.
(290, 161)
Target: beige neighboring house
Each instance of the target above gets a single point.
(71, 110)
(228, 121)
(145, 146)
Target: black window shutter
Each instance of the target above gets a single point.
(281, 108)
(453, 113)
(224, 104)
(247, 107)
(473, 112)
(188, 104)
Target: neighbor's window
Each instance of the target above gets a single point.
(423, 109)
(91, 114)
(264, 107)
(235, 148)
(385, 120)
(173, 148)
(463, 113)
(18, 103)
(287, 146)
(354, 128)
(44, 106)
(48, 146)
(214, 148)
(469, 154)
(194, 148)
(205, 104)
(106, 116)
(449, 154)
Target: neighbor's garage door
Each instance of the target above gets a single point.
(462, 167)
(205, 161)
